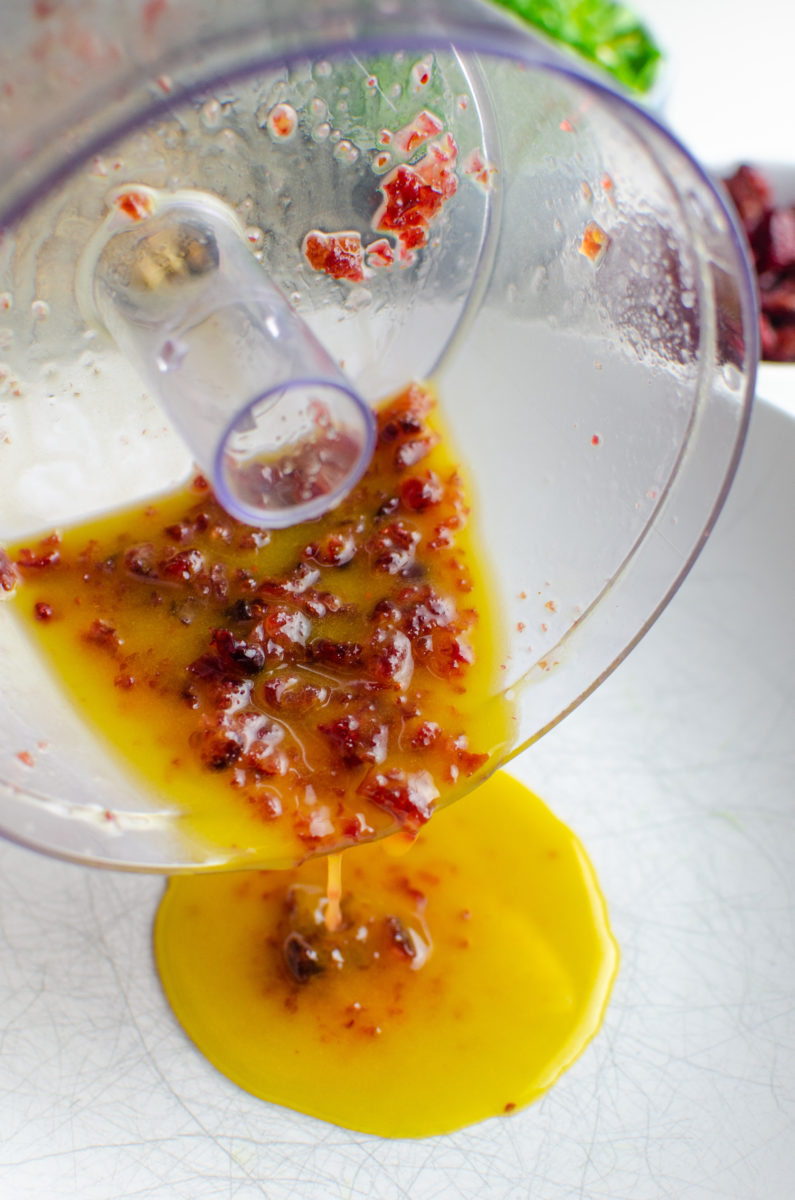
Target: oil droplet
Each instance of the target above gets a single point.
(282, 122)
(40, 310)
(322, 69)
(171, 356)
(421, 74)
(346, 152)
(6, 301)
(211, 113)
(381, 160)
(322, 132)
(317, 107)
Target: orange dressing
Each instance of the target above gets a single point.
(470, 972)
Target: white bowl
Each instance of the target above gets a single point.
(677, 774)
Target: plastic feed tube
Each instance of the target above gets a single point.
(263, 406)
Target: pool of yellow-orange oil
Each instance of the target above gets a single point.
(510, 973)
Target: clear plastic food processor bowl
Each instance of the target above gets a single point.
(577, 291)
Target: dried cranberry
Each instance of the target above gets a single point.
(407, 795)
(288, 692)
(751, 195)
(8, 572)
(178, 532)
(426, 735)
(335, 550)
(101, 633)
(393, 547)
(46, 555)
(140, 560)
(413, 451)
(358, 740)
(337, 654)
(389, 658)
(42, 611)
(300, 958)
(418, 494)
(400, 937)
(236, 654)
(286, 626)
(182, 565)
(220, 748)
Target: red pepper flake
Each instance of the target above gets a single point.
(47, 553)
(510, 1106)
(424, 126)
(42, 611)
(380, 253)
(339, 255)
(101, 633)
(282, 122)
(135, 205)
(594, 242)
(27, 758)
(596, 440)
(8, 572)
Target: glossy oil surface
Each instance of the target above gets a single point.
(510, 969)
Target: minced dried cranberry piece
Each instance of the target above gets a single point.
(182, 565)
(358, 739)
(286, 626)
(300, 958)
(415, 450)
(140, 560)
(389, 658)
(236, 654)
(178, 532)
(46, 554)
(336, 654)
(244, 610)
(407, 795)
(393, 548)
(288, 692)
(101, 633)
(775, 241)
(8, 572)
(335, 550)
(400, 937)
(387, 612)
(444, 652)
(751, 195)
(220, 748)
(418, 494)
(426, 735)
(266, 804)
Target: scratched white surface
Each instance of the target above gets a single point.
(679, 776)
